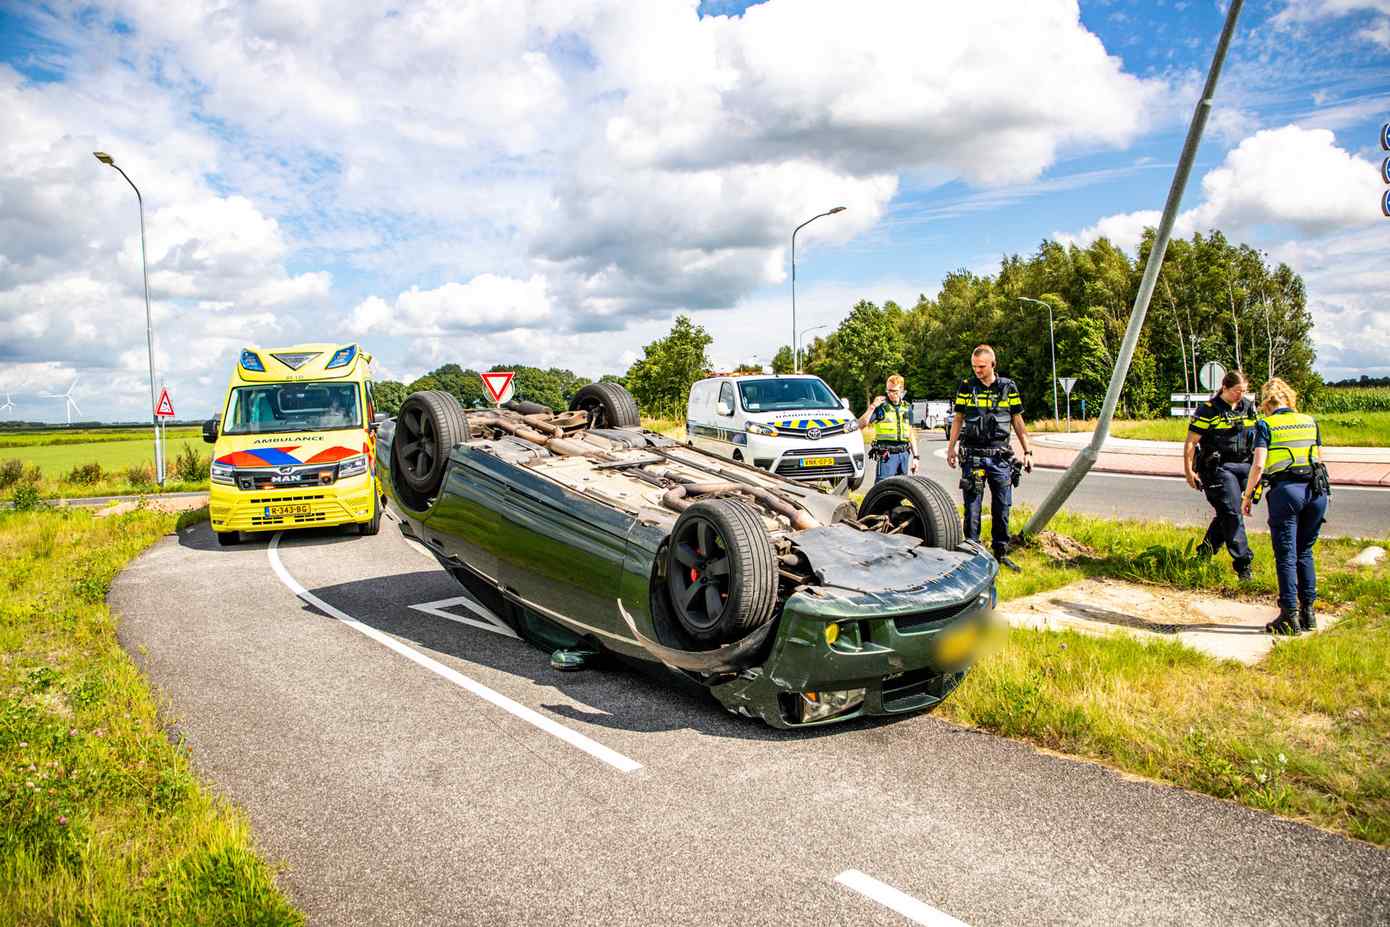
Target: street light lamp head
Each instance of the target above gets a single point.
(104, 158)
(837, 209)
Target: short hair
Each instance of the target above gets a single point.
(982, 351)
(895, 382)
(1276, 394)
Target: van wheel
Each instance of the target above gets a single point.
(721, 571)
(608, 405)
(917, 506)
(856, 481)
(228, 538)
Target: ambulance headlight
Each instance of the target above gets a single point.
(756, 429)
(353, 466)
(343, 357)
(250, 360)
(222, 473)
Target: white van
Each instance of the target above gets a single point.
(793, 425)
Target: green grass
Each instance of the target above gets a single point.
(58, 436)
(1339, 429)
(101, 818)
(54, 460)
(670, 427)
(1305, 734)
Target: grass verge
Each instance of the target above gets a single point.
(101, 818)
(1304, 734)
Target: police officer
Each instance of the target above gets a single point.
(1288, 465)
(987, 405)
(1216, 461)
(893, 445)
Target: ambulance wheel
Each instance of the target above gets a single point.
(372, 526)
(228, 538)
(917, 506)
(608, 405)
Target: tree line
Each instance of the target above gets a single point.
(1214, 301)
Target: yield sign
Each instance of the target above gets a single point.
(165, 407)
(498, 384)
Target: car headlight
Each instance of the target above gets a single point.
(851, 425)
(353, 466)
(756, 429)
(222, 473)
(817, 706)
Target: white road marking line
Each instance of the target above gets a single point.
(918, 912)
(573, 738)
(490, 621)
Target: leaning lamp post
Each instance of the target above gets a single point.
(1051, 340)
(106, 159)
(796, 353)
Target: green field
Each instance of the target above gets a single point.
(56, 460)
(1339, 429)
(55, 436)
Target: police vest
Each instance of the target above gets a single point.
(1227, 433)
(988, 418)
(1293, 446)
(894, 427)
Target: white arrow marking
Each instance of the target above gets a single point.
(490, 621)
(575, 739)
(919, 912)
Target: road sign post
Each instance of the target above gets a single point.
(163, 410)
(499, 386)
(1067, 384)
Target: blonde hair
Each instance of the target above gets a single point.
(983, 350)
(895, 382)
(1276, 394)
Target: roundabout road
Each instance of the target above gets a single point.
(404, 766)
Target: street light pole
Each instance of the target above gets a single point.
(807, 332)
(1053, 341)
(106, 159)
(796, 353)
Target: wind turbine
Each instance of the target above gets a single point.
(9, 403)
(68, 402)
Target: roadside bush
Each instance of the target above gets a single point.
(86, 473)
(25, 497)
(141, 474)
(11, 472)
(190, 467)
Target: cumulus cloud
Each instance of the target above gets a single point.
(1299, 12)
(485, 303)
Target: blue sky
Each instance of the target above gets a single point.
(550, 184)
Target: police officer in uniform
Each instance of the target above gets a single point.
(1216, 461)
(987, 406)
(894, 448)
(1289, 468)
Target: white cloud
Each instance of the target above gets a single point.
(1297, 12)
(487, 303)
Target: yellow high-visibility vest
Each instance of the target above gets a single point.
(895, 427)
(1293, 444)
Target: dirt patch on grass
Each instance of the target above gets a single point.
(1061, 547)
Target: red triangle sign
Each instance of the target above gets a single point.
(498, 384)
(165, 407)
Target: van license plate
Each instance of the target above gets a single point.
(818, 461)
(272, 510)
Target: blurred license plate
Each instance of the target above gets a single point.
(958, 644)
(300, 509)
(818, 461)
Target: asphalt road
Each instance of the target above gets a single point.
(411, 786)
(1354, 511)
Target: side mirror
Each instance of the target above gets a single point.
(210, 431)
(723, 408)
(844, 403)
(377, 421)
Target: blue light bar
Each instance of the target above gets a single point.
(343, 356)
(250, 361)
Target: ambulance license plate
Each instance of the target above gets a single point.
(818, 461)
(274, 510)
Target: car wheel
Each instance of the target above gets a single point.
(856, 481)
(915, 505)
(608, 405)
(228, 538)
(430, 423)
(721, 571)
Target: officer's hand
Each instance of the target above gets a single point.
(1193, 481)
(1027, 461)
(951, 457)
(878, 401)
(912, 468)
(1245, 505)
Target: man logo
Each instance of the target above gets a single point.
(285, 469)
(813, 434)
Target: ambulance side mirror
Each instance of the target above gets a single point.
(210, 431)
(377, 421)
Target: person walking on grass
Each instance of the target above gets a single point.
(1288, 467)
(1216, 461)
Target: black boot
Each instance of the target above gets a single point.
(1307, 621)
(1286, 623)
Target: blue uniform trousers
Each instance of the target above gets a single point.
(1295, 518)
(999, 475)
(894, 463)
(1223, 486)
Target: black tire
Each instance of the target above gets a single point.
(608, 405)
(372, 526)
(721, 571)
(921, 500)
(228, 538)
(430, 423)
(856, 481)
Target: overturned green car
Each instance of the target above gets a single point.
(586, 534)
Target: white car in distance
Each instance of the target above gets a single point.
(793, 425)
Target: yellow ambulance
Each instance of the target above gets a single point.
(295, 443)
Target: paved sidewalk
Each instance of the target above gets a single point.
(1347, 466)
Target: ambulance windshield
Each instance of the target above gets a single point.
(273, 407)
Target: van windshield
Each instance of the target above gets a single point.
(778, 395)
(270, 407)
